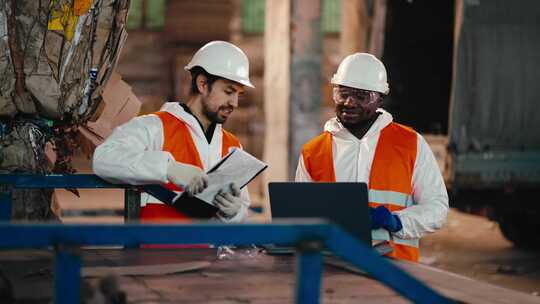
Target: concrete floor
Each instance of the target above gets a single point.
(474, 247)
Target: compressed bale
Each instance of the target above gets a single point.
(56, 57)
(51, 49)
(22, 151)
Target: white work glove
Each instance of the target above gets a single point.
(191, 178)
(229, 203)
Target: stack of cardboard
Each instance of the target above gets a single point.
(119, 105)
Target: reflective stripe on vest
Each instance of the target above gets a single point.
(390, 181)
(178, 141)
(390, 197)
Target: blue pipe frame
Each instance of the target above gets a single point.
(67, 240)
(309, 235)
(51, 181)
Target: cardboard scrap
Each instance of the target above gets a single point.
(119, 106)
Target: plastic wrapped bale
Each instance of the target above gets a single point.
(22, 150)
(58, 55)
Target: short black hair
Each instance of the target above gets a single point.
(196, 71)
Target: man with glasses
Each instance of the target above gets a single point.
(407, 195)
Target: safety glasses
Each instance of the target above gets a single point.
(356, 96)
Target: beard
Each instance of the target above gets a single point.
(214, 116)
(353, 125)
(363, 118)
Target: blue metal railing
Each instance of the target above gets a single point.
(53, 181)
(310, 236)
(67, 239)
(83, 181)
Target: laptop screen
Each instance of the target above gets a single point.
(345, 204)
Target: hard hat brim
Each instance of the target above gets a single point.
(357, 85)
(244, 82)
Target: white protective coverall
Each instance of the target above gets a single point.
(352, 163)
(133, 154)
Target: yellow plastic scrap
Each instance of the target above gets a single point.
(57, 19)
(69, 30)
(66, 18)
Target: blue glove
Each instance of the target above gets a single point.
(382, 218)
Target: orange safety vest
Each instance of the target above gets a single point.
(178, 141)
(390, 181)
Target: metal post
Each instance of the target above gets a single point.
(5, 206)
(67, 275)
(132, 209)
(132, 205)
(308, 272)
(305, 76)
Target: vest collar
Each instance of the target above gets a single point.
(209, 133)
(175, 109)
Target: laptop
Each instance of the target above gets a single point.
(345, 204)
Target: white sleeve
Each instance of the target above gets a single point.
(429, 193)
(132, 153)
(301, 173)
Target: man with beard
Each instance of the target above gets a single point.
(176, 145)
(407, 195)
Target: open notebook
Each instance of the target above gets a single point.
(237, 167)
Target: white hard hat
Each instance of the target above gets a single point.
(223, 59)
(362, 71)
